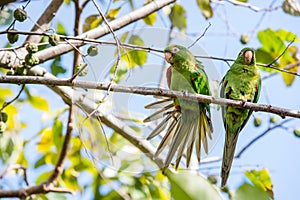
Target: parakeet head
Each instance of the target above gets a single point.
(176, 53)
(246, 56)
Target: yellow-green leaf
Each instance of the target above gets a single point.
(91, 22)
(137, 56)
(112, 13)
(205, 8)
(249, 192)
(291, 58)
(178, 16)
(150, 19)
(39, 103)
(261, 179)
(191, 186)
(46, 141)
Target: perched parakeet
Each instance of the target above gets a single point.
(187, 122)
(241, 82)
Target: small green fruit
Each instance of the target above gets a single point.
(273, 119)
(244, 39)
(12, 37)
(257, 121)
(31, 60)
(92, 50)
(212, 179)
(32, 47)
(225, 189)
(3, 127)
(84, 71)
(3, 117)
(21, 70)
(54, 39)
(10, 72)
(20, 15)
(297, 132)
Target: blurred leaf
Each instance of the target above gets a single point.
(56, 67)
(43, 177)
(61, 29)
(187, 185)
(150, 19)
(271, 43)
(264, 57)
(67, 2)
(121, 70)
(274, 47)
(57, 135)
(112, 13)
(249, 192)
(123, 37)
(289, 78)
(39, 103)
(69, 179)
(22, 160)
(178, 17)
(5, 94)
(46, 141)
(287, 36)
(261, 179)
(91, 22)
(205, 8)
(6, 16)
(291, 7)
(243, 1)
(137, 56)
(40, 162)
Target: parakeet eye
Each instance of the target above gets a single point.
(175, 49)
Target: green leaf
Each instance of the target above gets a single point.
(40, 162)
(191, 186)
(6, 16)
(124, 37)
(205, 8)
(121, 70)
(43, 177)
(91, 22)
(137, 56)
(112, 13)
(39, 103)
(56, 67)
(46, 141)
(261, 179)
(178, 17)
(263, 56)
(249, 192)
(149, 19)
(271, 43)
(57, 129)
(287, 35)
(61, 29)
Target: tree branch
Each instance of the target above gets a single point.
(150, 91)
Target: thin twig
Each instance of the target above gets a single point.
(260, 136)
(248, 5)
(239, 154)
(201, 36)
(274, 61)
(5, 104)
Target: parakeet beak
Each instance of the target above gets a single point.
(248, 57)
(169, 57)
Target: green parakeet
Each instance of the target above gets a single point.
(188, 122)
(241, 82)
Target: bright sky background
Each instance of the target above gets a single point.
(279, 150)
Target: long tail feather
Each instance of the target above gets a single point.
(158, 114)
(160, 127)
(228, 154)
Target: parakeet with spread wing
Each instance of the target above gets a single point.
(241, 82)
(188, 122)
